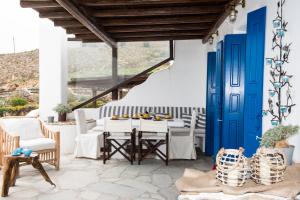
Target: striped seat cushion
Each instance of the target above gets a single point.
(187, 118)
(176, 112)
(201, 121)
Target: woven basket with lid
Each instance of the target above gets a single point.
(268, 166)
(232, 167)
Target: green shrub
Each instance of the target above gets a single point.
(62, 109)
(276, 134)
(17, 101)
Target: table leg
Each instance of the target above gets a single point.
(7, 170)
(14, 174)
(37, 165)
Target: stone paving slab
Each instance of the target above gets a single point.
(86, 179)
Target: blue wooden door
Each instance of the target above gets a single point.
(256, 26)
(219, 98)
(233, 99)
(210, 102)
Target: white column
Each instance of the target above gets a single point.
(52, 68)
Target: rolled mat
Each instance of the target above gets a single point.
(194, 181)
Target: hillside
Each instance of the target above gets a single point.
(19, 70)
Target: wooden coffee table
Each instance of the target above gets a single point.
(11, 169)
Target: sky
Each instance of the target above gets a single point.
(22, 24)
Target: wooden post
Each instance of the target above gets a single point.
(94, 93)
(115, 72)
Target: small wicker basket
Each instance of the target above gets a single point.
(232, 167)
(268, 166)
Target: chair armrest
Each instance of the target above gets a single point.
(55, 135)
(8, 143)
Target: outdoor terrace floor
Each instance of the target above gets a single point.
(117, 180)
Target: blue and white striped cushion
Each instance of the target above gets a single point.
(187, 118)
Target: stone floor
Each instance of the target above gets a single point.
(117, 180)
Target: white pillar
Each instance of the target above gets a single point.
(52, 68)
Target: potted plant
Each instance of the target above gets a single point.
(62, 111)
(277, 138)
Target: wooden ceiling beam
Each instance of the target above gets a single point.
(220, 20)
(78, 30)
(87, 22)
(153, 20)
(165, 27)
(39, 4)
(140, 39)
(143, 2)
(148, 34)
(159, 33)
(161, 38)
(56, 15)
(67, 23)
(153, 11)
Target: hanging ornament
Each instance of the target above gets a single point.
(276, 23)
(272, 93)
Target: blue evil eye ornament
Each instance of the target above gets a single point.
(277, 84)
(280, 32)
(272, 93)
(269, 61)
(276, 23)
(274, 122)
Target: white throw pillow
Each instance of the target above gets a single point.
(26, 128)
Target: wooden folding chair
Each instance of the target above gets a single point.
(152, 135)
(118, 135)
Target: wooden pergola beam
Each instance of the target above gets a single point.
(56, 15)
(140, 39)
(153, 20)
(153, 11)
(165, 27)
(87, 22)
(148, 34)
(221, 19)
(67, 23)
(158, 34)
(39, 4)
(143, 2)
(78, 30)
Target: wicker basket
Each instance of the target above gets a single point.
(232, 167)
(268, 166)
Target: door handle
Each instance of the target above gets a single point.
(220, 120)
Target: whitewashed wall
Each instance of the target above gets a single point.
(292, 15)
(183, 84)
(188, 75)
(52, 68)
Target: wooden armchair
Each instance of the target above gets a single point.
(29, 132)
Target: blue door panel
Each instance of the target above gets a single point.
(233, 95)
(219, 94)
(256, 26)
(210, 102)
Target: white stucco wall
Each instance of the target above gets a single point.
(291, 14)
(183, 84)
(52, 68)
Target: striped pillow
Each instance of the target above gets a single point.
(200, 121)
(187, 120)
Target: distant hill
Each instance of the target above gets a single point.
(19, 70)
